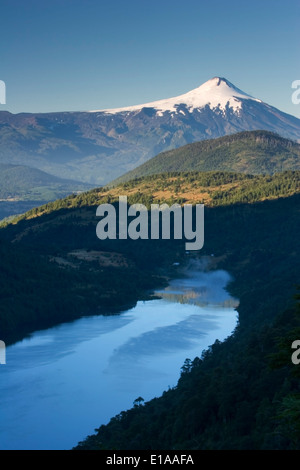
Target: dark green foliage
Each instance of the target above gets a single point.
(231, 397)
(239, 394)
(37, 293)
(241, 189)
(43, 283)
(253, 152)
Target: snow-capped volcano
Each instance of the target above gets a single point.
(98, 146)
(215, 93)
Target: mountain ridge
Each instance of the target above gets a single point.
(44, 284)
(19, 181)
(253, 152)
(23, 187)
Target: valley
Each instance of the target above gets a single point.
(54, 270)
(214, 145)
(58, 241)
(22, 188)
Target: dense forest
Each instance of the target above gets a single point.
(43, 275)
(252, 152)
(239, 394)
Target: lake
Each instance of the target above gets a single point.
(59, 384)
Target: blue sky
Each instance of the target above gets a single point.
(76, 55)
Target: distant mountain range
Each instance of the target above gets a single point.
(252, 152)
(19, 182)
(99, 146)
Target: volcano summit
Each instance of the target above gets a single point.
(98, 146)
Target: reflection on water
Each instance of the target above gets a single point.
(62, 383)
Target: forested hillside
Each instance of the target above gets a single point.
(234, 395)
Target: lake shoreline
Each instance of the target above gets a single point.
(163, 275)
(98, 365)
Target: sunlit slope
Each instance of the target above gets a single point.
(255, 152)
(210, 188)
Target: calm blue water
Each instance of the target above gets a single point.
(60, 384)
